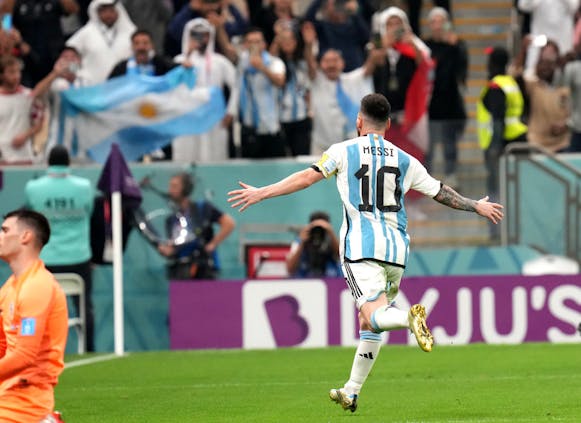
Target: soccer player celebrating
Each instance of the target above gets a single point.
(33, 323)
(372, 177)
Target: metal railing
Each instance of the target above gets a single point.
(513, 187)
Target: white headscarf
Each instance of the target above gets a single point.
(206, 27)
(123, 22)
(397, 12)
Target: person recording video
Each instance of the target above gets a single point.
(316, 252)
(192, 242)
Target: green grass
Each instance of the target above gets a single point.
(476, 383)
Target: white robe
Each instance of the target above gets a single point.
(212, 69)
(101, 48)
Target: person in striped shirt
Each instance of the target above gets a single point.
(372, 176)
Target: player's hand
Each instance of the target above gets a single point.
(255, 60)
(245, 197)
(309, 33)
(227, 121)
(19, 140)
(492, 211)
(165, 250)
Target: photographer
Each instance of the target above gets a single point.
(192, 244)
(316, 252)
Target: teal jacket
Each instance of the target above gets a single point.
(67, 203)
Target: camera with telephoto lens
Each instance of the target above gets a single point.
(317, 236)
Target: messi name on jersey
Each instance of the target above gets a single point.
(378, 151)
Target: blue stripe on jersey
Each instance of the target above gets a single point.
(353, 164)
(384, 225)
(367, 234)
(403, 162)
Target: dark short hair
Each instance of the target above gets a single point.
(59, 156)
(35, 221)
(252, 30)
(141, 31)
(376, 108)
(71, 48)
(319, 214)
(498, 58)
(8, 60)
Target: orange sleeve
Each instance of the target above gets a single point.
(2, 338)
(32, 310)
(2, 334)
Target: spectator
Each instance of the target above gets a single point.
(192, 244)
(228, 16)
(261, 77)
(499, 114)
(143, 60)
(276, 12)
(294, 105)
(415, 7)
(334, 93)
(446, 111)
(104, 40)
(549, 105)
(11, 43)
(21, 115)
(212, 69)
(33, 323)
(342, 28)
(152, 16)
(550, 19)
(316, 253)
(571, 79)
(67, 202)
(403, 78)
(39, 23)
(61, 131)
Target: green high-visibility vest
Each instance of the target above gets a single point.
(513, 127)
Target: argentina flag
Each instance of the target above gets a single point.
(140, 113)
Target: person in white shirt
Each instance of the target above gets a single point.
(212, 69)
(550, 19)
(334, 93)
(105, 40)
(16, 104)
(372, 176)
(261, 77)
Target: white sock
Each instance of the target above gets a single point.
(389, 318)
(365, 356)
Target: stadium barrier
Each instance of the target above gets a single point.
(259, 314)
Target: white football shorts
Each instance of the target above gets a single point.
(367, 279)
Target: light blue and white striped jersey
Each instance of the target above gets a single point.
(372, 177)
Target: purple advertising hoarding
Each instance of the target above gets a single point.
(317, 313)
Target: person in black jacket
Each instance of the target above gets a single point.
(192, 242)
(144, 61)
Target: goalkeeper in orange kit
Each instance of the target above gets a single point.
(33, 323)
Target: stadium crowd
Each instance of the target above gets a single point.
(292, 80)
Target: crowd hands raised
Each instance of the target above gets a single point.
(292, 80)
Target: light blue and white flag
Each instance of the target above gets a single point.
(140, 113)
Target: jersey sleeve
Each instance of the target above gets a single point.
(421, 180)
(32, 310)
(330, 162)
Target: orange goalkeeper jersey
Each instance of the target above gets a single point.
(33, 329)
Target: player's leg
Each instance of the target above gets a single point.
(365, 282)
(389, 317)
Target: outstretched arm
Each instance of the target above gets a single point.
(248, 195)
(483, 207)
